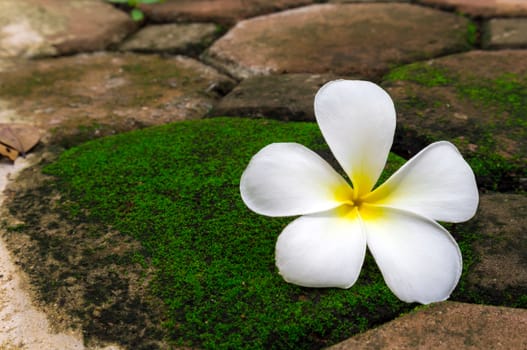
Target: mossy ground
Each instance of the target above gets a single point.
(175, 190)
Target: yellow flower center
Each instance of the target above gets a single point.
(355, 203)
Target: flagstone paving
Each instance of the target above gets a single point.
(284, 97)
(505, 33)
(266, 59)
(359, 39)
(175, 38)
(219, 11)
(500, 267)
(464, 98)
(483, 8)
(92, 95)
(445, 326)
(32, 28)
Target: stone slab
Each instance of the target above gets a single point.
(225, 12)
(357, 1)
(447, 326)
(502, 33)
(499, 272)
(475, 100)
(483, 8)
(33, 28)
(86, 96)
(345, 39)
(187, 38)
(285, 97)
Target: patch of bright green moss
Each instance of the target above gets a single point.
(176, 190)
(423, 74)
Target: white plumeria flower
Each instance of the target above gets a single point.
(325, 247)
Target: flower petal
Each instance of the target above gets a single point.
(322, 250)
(419, 259)
(436, 183)
(286, 179)
(357, 119)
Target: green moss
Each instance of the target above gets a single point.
(423, 74)
(507, 93)
(472, 34)
(176, 190)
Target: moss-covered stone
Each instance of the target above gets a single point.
(157, 213)
(477, 100)
(68, 96)
(175, 190)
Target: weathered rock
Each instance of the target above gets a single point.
(355, 1)
(499, 273)
(445, 326)
(190, 39)
(505, 33)
(86, 96)
(33, 28)
(219, 11)
(345, 39)
(284, 97)
(474, 99)
(483, 8)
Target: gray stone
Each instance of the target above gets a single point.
(447, 326)
(85, 96)
(483, 8)
(32, 28)
(345, 39)
(225, 12)
(505, 33)
(284, 97)
(190, 39)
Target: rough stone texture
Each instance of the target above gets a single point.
(356, 1)
(505, 33)
(190, 39)
(32, 28)
(458, 109)
(219, 11)
(345, 39)
(447, 326)
(86, 96)
(284, 97)
(483, 8)
(500, 270)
